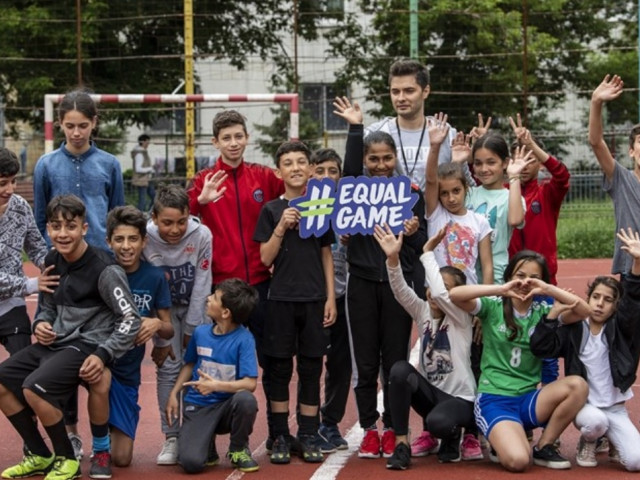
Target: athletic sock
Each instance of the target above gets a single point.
(60, 440)
(101, 439)
(308, 425)
(280, 423)
(28, 429)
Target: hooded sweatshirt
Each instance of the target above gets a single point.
(187, 266)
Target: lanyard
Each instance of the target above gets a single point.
(404, 159)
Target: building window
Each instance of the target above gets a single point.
(317, 100)
(173, 121)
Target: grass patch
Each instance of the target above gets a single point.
(586, 230)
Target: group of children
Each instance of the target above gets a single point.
(469, 268)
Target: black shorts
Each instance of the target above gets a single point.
(15, 329)
(295, 327)
(52, 374)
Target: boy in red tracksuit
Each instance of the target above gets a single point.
(543, 201)
(228, 198)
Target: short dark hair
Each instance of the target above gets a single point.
(378, 136)
(459, 277)
(170, 196)
(65, 206)
(322, 155)
(228, 118)
(453, 170)
(9, 163)
(239, 297)
(494, 142)
(291, 146)
(635, 131)
(607, 281)
(79, 100)
(143, 138)
(407, 66)
(126, 215)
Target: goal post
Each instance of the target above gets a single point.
(291, 98)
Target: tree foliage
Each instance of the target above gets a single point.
(129, 46)
(475, 50)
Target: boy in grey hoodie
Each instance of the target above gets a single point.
(180, 245)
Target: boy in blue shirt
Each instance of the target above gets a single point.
(220, 371)
(127, 236)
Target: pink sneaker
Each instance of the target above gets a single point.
(424, 445)
(370, 445)
(471, 449)
(388, 443)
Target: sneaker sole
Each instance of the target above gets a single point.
(424, 454)
(552, 465)
(396, 467)
(479, 456)
(166, 462)
(368, 455)
(387, 455)
(248, 469)
(100, 475)
(586, 464)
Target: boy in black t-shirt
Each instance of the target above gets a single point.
(301, 305)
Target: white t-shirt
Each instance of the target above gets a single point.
(459, 248)
(595, 357)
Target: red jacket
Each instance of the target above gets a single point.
(543, 202)
(232, 219)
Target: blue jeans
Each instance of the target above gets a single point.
(146, 191)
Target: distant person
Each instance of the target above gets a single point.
(142, 173)
(621, 184)
(79, 167)
(409, 88)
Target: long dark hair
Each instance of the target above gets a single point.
(519, 259)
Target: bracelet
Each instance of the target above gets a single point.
(279, 236)
(513, 179)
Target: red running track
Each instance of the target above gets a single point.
(343, 465)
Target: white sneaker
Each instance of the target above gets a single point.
(586, 455)
(169, 453)
(76, 443)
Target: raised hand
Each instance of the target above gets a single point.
(435, 240)
(438, 128)
(523, 135)
(609, 89)
(481, 129)
(344, 109)
(522, 158)
(461, 148)
(630, 241)
(212, 189)
(389, 244)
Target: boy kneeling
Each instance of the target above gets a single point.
(220, 372)
(89, 320)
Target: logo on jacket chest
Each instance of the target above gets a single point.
(258, 195)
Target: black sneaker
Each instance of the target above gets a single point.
(307, 449)
(243, 461)
(401, 457)
(324, 445)
(548, 456)
(280, 451)
(332, 435)
(100, 465)
(450, 449)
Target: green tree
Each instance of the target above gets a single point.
(129, 46)
(475, 50)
